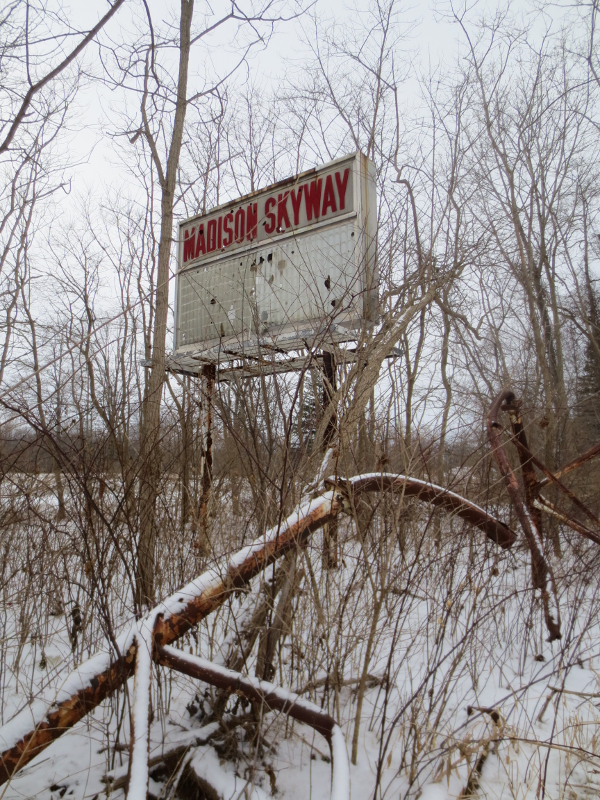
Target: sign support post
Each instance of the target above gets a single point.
(208, 378)
(330, 531)
(329, 390)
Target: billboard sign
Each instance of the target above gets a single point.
(280, 266)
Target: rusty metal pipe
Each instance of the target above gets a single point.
(545, 505)
(190, 611)
(527, 468)
(577, 462)
(437, 496)
(551, 477)
(539, 566)
(274, 698)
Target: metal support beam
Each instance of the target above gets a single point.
(330, 531)
(329, 390)
(208, 377)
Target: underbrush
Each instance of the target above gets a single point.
(426, 644)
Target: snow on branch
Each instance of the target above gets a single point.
(140, 714)
(40, 723)
(275, 698)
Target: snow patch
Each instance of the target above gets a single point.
(138, 776)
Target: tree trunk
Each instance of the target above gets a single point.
(150, 431)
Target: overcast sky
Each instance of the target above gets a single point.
(94, 152)
(431, 39)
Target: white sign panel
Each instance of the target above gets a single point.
(281, 265)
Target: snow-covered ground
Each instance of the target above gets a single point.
(459, 674)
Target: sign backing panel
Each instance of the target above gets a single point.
(280, 267)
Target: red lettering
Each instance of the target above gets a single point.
(269, 215)
(211, 235)
(227, 220)
(329, 196)
(282, 214)
(312, 199)
(200, 242)
(251, 222)
(240, 225)
(296, 200)
(220, 233)
(341, 184)
(189, 238)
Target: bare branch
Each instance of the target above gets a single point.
(35, 88)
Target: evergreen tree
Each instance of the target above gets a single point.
(588, 389)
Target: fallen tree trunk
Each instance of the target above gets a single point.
(37, 725)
